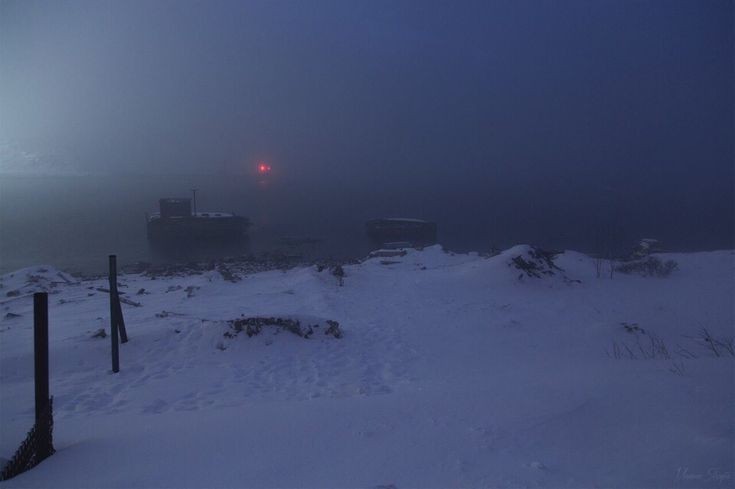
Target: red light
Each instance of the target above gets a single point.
(263, 168)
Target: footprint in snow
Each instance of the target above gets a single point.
(156, 407)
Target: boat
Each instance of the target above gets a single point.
(176, 222)
(414, 232)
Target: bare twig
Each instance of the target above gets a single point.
(677, 368)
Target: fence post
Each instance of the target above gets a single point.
(113, 315)
(44, 446)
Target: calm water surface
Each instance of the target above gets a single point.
(75, 222)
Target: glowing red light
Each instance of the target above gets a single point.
(263, 168)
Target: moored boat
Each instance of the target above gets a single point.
(175, 221)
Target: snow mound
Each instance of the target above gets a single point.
(29, 280)
(533, 262)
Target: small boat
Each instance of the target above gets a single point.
(415, 232)
(176, 222)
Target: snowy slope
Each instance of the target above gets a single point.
(452, 371)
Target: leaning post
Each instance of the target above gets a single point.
(120, 320)
(115, 297)
(44, 447)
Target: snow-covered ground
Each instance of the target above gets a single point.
(452, 372)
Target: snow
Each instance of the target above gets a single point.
(452, 371)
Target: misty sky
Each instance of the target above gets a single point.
(567, 98)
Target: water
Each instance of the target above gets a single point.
(75, 222)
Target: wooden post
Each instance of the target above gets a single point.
(114, 305)
(44, 447)
(40, 351)
(114, 292)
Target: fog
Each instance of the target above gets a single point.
(556, 123)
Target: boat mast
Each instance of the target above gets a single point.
(194, 191)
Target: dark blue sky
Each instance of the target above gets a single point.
(572, 103)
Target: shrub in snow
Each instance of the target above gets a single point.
(339, 272)
(633, 328)
(677, 368)
(718, 346)
(650, 267)
(227, 274)
(645, 247)
(254, 326)
(648, 346)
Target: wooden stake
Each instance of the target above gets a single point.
(114, 307)
(44, 448)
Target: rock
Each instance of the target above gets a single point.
(100, 333)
